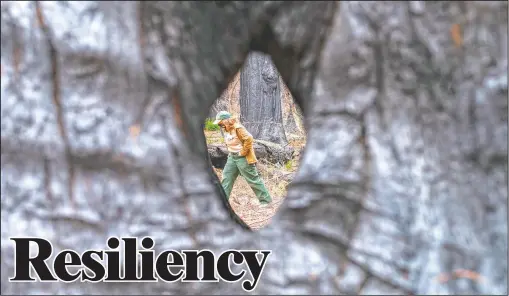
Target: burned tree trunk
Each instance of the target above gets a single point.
(403, 185)
(410, 102)
(260, 99)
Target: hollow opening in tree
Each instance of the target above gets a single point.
(258, 99)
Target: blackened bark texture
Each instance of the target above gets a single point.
(402, 187)
(410, 108)
(260, 99)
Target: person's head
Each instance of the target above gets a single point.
(223, 119)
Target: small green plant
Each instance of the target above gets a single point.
(289, 165)
(210, 126)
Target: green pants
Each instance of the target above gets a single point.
(236, 165)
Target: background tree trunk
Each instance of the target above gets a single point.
(260, 99)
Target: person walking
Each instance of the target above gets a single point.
(241, 158)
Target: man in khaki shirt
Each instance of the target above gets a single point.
(241, 158)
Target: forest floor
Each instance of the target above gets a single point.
(276, 178)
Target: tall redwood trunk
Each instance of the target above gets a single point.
(260, 99)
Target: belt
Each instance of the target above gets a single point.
(234, 154)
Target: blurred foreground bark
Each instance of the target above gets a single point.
(403, 184)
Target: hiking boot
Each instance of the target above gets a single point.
(264, 203)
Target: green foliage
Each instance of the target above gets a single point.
(210, 126)
(289, 165)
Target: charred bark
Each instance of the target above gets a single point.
(260, 99)
(402, 187)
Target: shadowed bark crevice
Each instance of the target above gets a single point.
(47, 179)
(142, 44)
(185, 195)
(57, 101)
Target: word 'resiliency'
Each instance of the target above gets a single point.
(139, 265)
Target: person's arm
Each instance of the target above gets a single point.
(247, 140)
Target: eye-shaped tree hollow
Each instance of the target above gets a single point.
(269, 127)
(404, 177)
